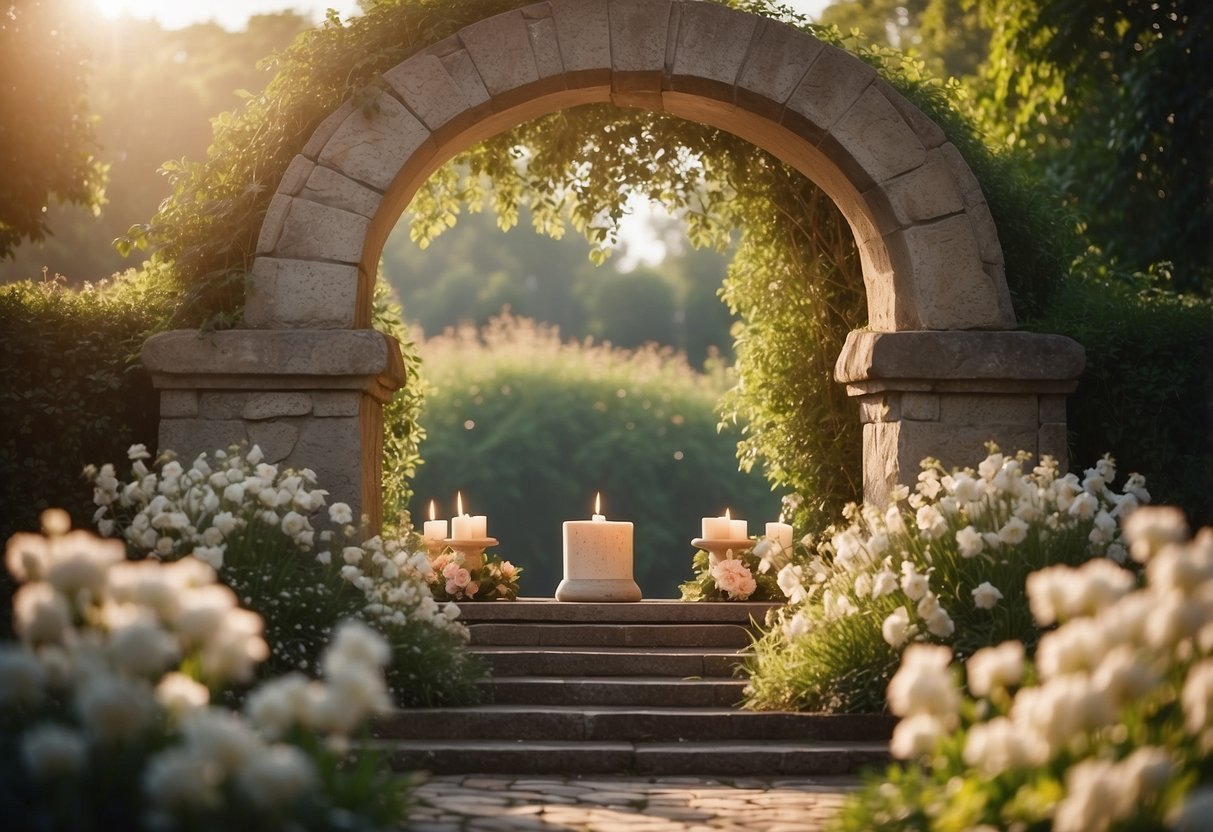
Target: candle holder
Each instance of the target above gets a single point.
(472, 550)
(719, 549)
(433, 547)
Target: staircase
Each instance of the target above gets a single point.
(645, 688)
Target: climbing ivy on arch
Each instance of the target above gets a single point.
(794, 280)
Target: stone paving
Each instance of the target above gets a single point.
(482, 803)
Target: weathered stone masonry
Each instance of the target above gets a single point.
(932, 264)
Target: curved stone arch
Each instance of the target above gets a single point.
(936, 374)
(929, 249)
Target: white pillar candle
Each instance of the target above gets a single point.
(597, 561)
(465, 527)
(434, 530)
(717, 528)
(739, 530)
(780, 533)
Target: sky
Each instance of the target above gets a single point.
(232, 14)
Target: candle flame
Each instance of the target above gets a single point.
(459, 503)
(598, 503)
(726, 514)
(432, 511)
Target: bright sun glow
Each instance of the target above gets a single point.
(230, 14)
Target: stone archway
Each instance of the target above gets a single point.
(940, 356)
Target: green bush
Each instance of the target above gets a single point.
(529, 429)
(1146, 395)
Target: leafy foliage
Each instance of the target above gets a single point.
(47, 146)
(528, 429)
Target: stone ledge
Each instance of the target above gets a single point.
(264, 354)
(956, 355)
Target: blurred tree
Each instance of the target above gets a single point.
(47, 143)
(1114, 97)
(947, 34)
(155, 92)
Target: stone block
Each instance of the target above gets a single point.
(328, 187)
(879, 408)
(272, 223)
(996, 273)
(987, 234)
(970, 188)
(222, 404)
(950, 285)
(333, 449)
(711, 45)
(833, 82)
(1025, 356)
(276, 440)
(301, 293)
(989, 409)
(1051, 440)
(275, 405)
(639, 30)
(178, 403)
(328, 403)
(778, 60)
(500, 48)
(955, 446)
(545, 46)
(296, 175)
(374, 142)
(1052, 409)
(583, 31)
(326, 129)
(424, 86)
(318, 232)
(927, 192)
(190, 437)
(460, 69)
(920, 407)
(876, 142)
(880, 471)
(254, 352)
(929, 133)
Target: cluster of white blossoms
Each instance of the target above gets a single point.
(924, 545)
(1120, 656)
(171, 512)
(121, 655)
(734, 578)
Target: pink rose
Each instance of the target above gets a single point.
(462, 577)
(471, 589)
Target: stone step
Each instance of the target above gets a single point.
(667, 759)
(622, 724)
(636, 691)
(583, 661)
(551, 611)
(610, 635)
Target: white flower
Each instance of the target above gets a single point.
(913, 583)
(210, 555)
(885, 583)
(293, 523)
(965, 488)
(1197, 697)
(353, 555)
(863, 584)
(51, 751)
(138, 451)
(931, 522)
(234, 493)
(40, 615)
(21, 678)
(895, 627)
(1084, 506)
(791, 583)
(986, 595)
(999, 745)
(924, 684)
(995, 667)
(1149, 528)
(219, 735)
(1013, 532)
(916, 736)
(254, 456)
(1075, 647)
(114, 709)
(178, 693)
(797, 626)
(970, 542)
(1104, 529)
(202, 610)
(180, 779)
(939, 623)
(142, 648)
(275, 776)
(231, 651)
(341, 513)
(278, 705)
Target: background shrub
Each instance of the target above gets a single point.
(529, 429)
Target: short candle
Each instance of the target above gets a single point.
(597, 560)
(434, 530)
(718, 528)
(465, 527)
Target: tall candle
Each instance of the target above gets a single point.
(597, 560)
(780, 533)
(465, 527)
(434, 530)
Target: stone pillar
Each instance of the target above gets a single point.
(946, 394)
(309, 398)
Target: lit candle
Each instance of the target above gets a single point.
(464, 527)
(717, 528)
(780, 533)
(434, 530)
(597, 560)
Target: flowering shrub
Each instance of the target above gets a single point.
(1110, 726)
(451, 579)
(746, 576)
(106, 714)
(946, 564)
(253, 523)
